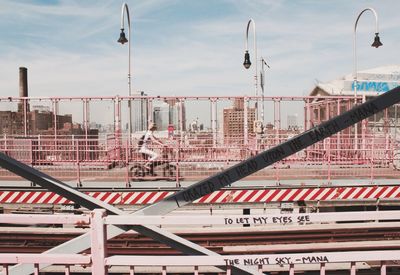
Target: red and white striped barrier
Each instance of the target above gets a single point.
(222, 196)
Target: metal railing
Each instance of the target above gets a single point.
(76, 158)
(82, 139)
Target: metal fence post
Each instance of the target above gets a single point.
(322, 269)
(78, 169)
(328, 141)
(383, 268)
(177, 164)
(245, 121)
(214, 120)
(372, 160)
(260, 268)
(291, 269)
(36, 269)
(117, 129)
(98, 242)
(277, 119)
(353, 268)
(127, 153)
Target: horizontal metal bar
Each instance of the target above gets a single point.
(44, 219)
(261, 259)
(21, 258)
(266, 98)
(254, 219)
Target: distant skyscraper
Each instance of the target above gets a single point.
(170, 112)
(174, 112)
(292, 121)
(140, 112)
(160, 117)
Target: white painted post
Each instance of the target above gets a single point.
(36, 269)
(322, 269)
(196, 270)
(5, 269)
(98, 238)
(260, 268)
(131, 270)
(245, 120)
(383, 268)
(164, 270)
(353, 268)
(228, 270)
(67, 270)
(291, 269)
(214, 121)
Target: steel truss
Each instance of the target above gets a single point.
(196, 190)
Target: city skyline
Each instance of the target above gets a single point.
(187, 48)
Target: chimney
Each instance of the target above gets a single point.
(23, 87)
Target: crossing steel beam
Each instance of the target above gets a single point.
(201, 188)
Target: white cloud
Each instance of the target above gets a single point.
(78, 55)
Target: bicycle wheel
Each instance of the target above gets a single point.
(170, 170)
(137, 171)
(396, 161)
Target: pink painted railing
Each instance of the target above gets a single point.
(76, 158)
(82, 139)
(99, 262)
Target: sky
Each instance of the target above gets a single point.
(188, 47)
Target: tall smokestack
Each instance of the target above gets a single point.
(23, 87)
(23, 82)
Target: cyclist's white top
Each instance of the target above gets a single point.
(147, 138)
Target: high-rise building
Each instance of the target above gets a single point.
(233, 121)
(139, 112)
(178, 115)
(160, 117)
(170, 115)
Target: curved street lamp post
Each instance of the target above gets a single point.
(122, 39)
(377, 43)
(247, 62)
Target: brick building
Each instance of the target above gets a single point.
(38, 123)
(233, 121)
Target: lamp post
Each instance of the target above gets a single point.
(247, 62)
(377, 43)
(122, 39)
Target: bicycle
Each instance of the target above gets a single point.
(168, 170)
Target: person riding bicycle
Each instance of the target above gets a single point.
(145, 141)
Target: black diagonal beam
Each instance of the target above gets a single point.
(91, 203)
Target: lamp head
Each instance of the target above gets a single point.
(247, 62)
(122, 39)
(377, 42)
